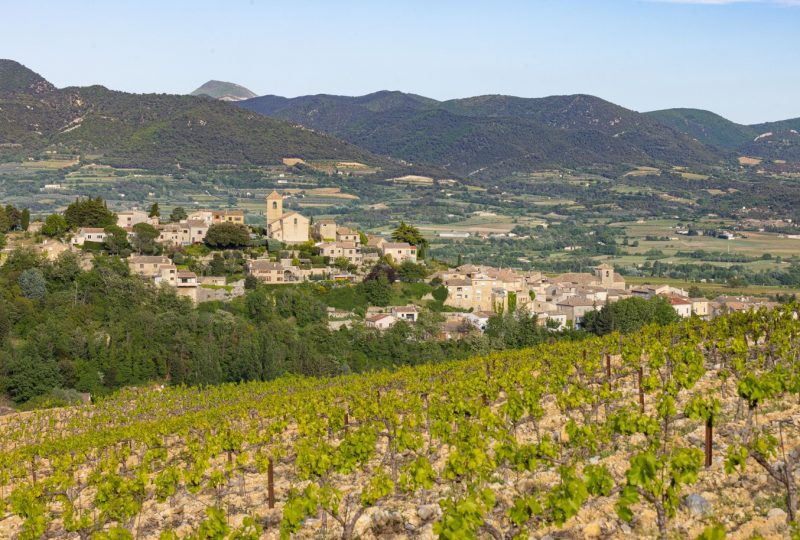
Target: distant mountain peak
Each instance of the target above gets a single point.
(224, 91)
(18, 79)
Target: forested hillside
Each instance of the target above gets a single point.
(152, 131)
(492, 135)
(770, 140)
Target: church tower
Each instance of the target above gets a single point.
(605, 273)
(274, 206)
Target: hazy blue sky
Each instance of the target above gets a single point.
(738, 58)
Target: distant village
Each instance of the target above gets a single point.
(474, 293)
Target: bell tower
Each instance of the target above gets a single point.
(274, 206)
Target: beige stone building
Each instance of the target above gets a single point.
(266, 270)
(603, 276)
(129, 218)
(156, 267)
(575, 307)
(382, 321)
(346, 234)
(227, 216)
(185, 233)
(349, 250)
(325, 230)
(290, 228)
(89, 234)
(399, 252)
(212, 217)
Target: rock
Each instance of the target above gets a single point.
(594, 460)
(697, 504)
(385, 523)
(625, 528)
(776, 514)
(426, 533)
(427, 512)
(592, 530)
(379, 518)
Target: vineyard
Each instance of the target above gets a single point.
(685, 431)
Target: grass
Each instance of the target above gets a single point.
(715, 289)
(753, 244)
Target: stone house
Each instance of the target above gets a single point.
(266, 270)
(382, 321)
(89, 234)
(325, 230)
(399, 252)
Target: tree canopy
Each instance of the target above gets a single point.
(227, 236)
(89, 212)
(408, 233)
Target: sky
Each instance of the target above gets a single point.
(739, 58)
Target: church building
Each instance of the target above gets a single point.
(289, 228)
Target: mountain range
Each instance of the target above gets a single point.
(152, 131)
(224, 91)
(495, 134)
(771, 140)
(486, 137)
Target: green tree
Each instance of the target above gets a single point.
(33, 284)
(695, 292)
(25, 219)
(342, 263)
(227, 236)
(29, 376)
(5, 223)
(55, 226)
(14, 218)
(409, 271)
(89, 213)
(154, 211)
(178, 214)
(145, 237)
(116, 241)
(378, 291)
(408, 233)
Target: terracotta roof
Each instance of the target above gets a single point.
(398, 245)
(378, 317)
(580, 278)
(576, 301)
(264, 264)
(149, 259)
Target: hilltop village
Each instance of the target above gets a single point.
(213, 255)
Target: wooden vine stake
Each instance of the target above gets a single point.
(270, 485)
(709, 439)
(641, 389)
(608, 366)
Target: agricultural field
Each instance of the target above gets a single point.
(747, 243)
(673, 432)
